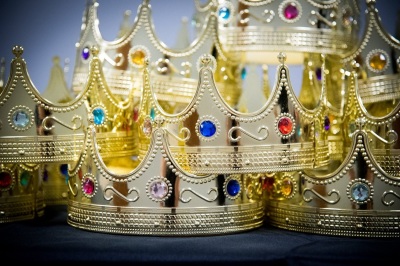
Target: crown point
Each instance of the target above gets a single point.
(56, 60)
(94, 50)
(282, 57)
(18, 51)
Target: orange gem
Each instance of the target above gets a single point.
(378, 61)
(287, 187)
(137, 57)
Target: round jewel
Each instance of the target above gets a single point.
(207, 128)
(285, 125)
(99, 115)
(24, 178)
(360, 192)
(233, 187)
(85, 53)
(20, 118)
(159, 189)
(5, 180)
(88, 186)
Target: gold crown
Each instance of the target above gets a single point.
(255, 28)
(209, 136)
(33, 131)
(173, 70)
(377, 54)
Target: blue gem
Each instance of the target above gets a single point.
(64, 169)
(45, 175)
(327, 123)
(99, 116)
(207, 128)
(85, 53)
(233, 187)
(224, 12)
(360, 192)
(318, 73)
(20, 118)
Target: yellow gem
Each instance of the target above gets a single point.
(137, 57)
(378, 61)
(287, 187)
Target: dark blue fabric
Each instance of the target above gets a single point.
(50, 240)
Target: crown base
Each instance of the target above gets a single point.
(337, 222)
(20, 208)
(166, 221)
(379, 89)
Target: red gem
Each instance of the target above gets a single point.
(88, 186)
(291, 11)
(268, 184)
(5, 180)
(285, 125)
(135, 114)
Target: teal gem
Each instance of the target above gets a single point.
(24, 178)
(360, 192)
(224, 12)
(152, 114)
(99, 116)
(243, 74)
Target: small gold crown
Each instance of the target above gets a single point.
(255, 28)
(377, 55)
(33, 131)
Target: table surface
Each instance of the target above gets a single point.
(50, 240)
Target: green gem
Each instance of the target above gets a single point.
(25, 178)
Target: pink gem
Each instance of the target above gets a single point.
(285, 125)
(158, 189)
(291, 11)
(88, 186)
(135, 114)
(147, 127)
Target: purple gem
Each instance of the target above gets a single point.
(291, 11)
(45, 175)
(318, 73)
(85, 53)
(158, 189)
(327, 123)
(88, 186)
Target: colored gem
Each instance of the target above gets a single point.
(347, 19)
(20, 118)
(135, 114)
(318, 73)
(152, 114)
(352, 127)
(138, 57)
(147, 127)
(64, 169)
(233, 187)
(360, 192)
(98, 116)
(45, 175)
(207, 128)
(285, 125)
(378, 61)
(24, 178)
(291, 11)
(327, 123)
(287, 187)
(5, 180)
(88, 186)
(268, 184)
(224, 12)
(158, 189)
(243, 74)
(85, 53)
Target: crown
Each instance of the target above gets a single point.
(33, 131)
(174, 73)
(377, 54)
(360, 196)
(254, 28)
(209, 136)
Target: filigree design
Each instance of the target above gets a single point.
(119, 194)
(198, 195)
(185, 131)
(333, 191)
(391, 134)
(118, 61)
(316, 17)
(73, 189)
(231, 138)
(390, 192)
(245, 14)
(75, 125)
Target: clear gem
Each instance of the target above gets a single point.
(5, 180)
(224, 12)
(158, 189)
(99, 116)
(24, 178)
(207, 128)
(86, 53)
(360, 192)
(147, 127)
(291, 11)
(88, 186)
(285, 125)
(233, 187)
(378, 61)
(20, 118)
